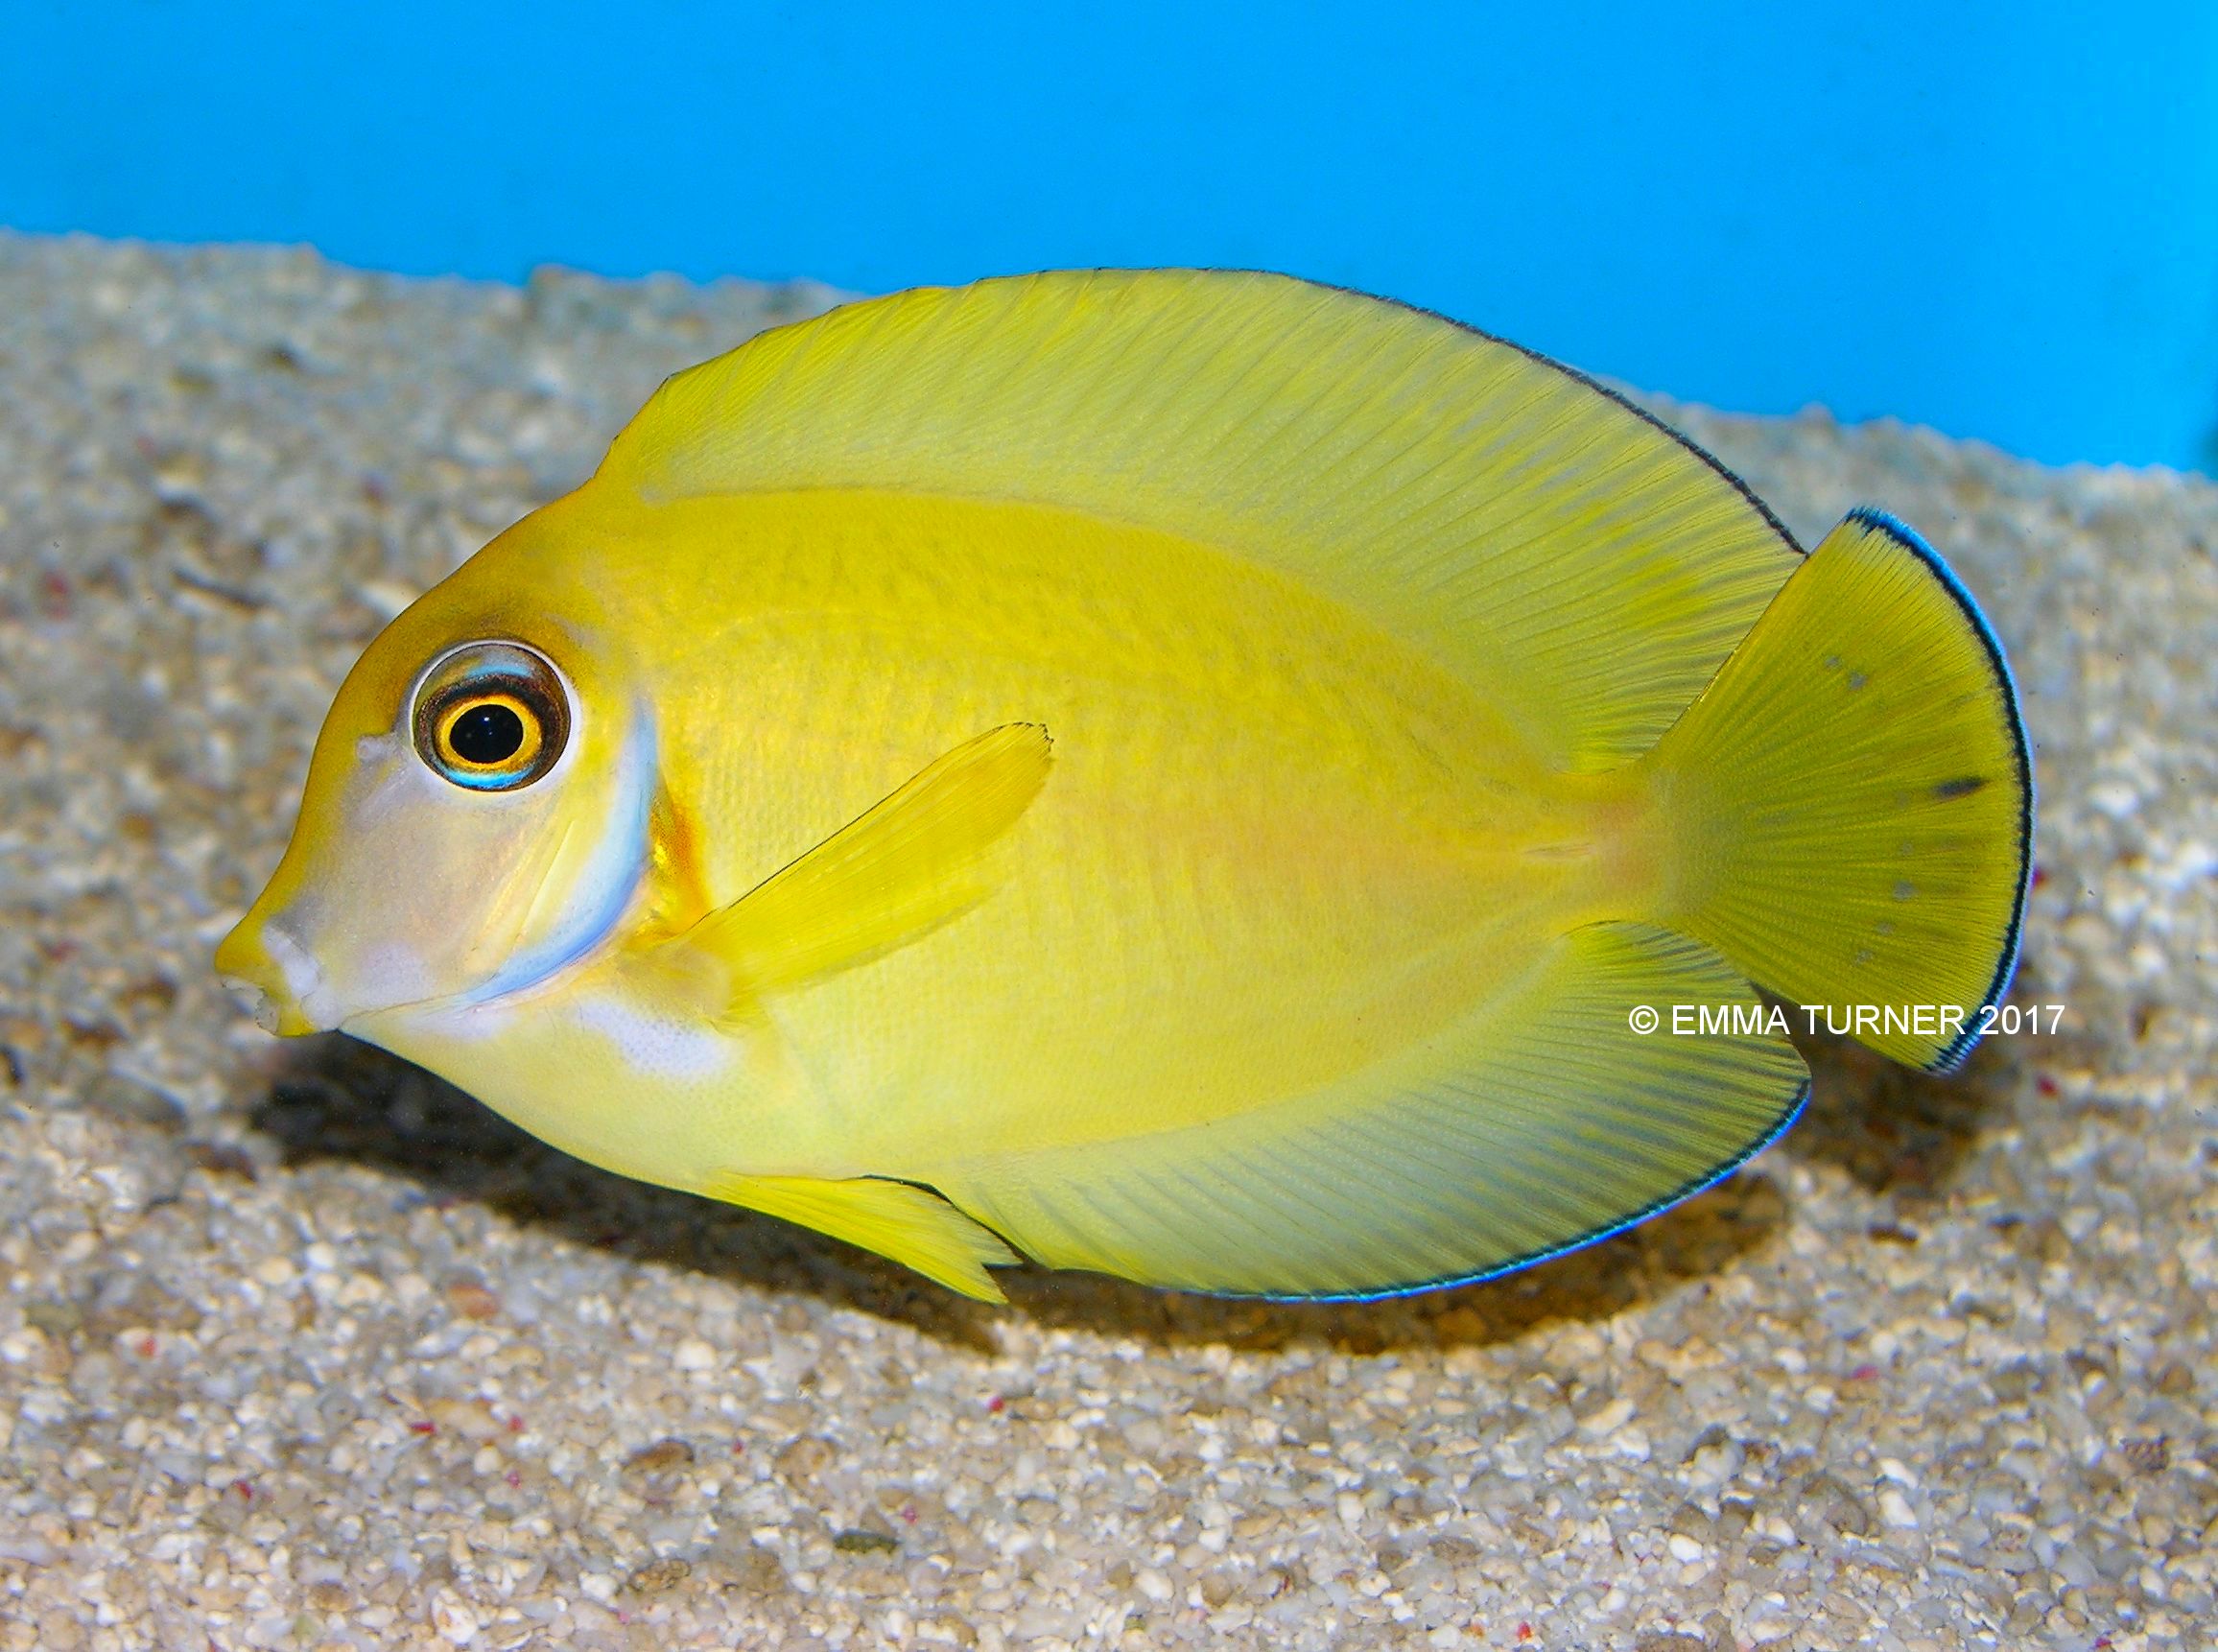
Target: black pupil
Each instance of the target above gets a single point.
(486, 734)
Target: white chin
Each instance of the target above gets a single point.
(304, 979)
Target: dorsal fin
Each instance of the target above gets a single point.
(1574, 560)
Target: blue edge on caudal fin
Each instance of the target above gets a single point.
(2006, 966)
(1950, 1058)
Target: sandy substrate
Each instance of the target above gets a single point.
(299, 1348)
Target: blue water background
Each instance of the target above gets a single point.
(2000, 220)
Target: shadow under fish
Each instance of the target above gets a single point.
(337, 1100)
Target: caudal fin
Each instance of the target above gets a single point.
(1852, 800)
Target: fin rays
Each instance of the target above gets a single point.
(893, 875)
(1549, 542)
(1824, 856)
(1541, 1123)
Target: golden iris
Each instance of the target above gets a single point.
(492, 716)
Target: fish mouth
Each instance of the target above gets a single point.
(275, 980)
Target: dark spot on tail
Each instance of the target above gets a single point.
(1964, 787)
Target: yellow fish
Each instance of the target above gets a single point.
(1189, 774)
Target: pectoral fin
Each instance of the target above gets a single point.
(916, 1228)
(893, 875)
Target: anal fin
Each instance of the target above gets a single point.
(1541, 1122)
(914, 1227)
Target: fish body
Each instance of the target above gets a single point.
(1175, 773)
(1247, 788)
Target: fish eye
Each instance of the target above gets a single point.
(491, 717)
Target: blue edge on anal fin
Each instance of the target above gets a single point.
(1533, 1259)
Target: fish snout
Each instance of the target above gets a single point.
(273, 977)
